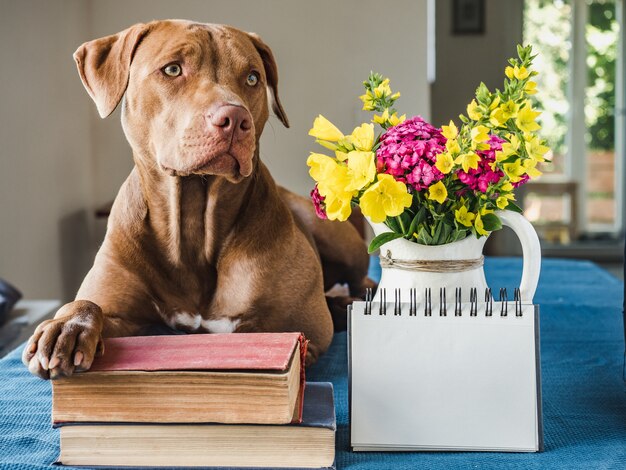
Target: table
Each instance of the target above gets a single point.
(584, 396)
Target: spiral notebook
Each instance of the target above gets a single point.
(443, 376)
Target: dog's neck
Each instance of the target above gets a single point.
(191, 217)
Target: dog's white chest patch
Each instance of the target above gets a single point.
(223, 325)
(193, 322)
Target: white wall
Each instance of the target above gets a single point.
(45, 184)
(58, 160)
(324, 50)
(463, 61)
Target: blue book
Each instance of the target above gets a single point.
(310, 444)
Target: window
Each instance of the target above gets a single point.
(578, 42)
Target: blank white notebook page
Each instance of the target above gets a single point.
(458, 383)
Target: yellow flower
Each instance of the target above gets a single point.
(503, 113)
(385, 198)
(521, 72)
(509, 73)
(444, 162)
(323, 129)
(338, 206)
(473, 112)
(362, 169)
(464, 217)
(363, 137)
(507, 187)
(336, 182)
(437, 192)
(383, 118)
(526, 118)
(508, 148)
(479, 226)
(452, 146)
(395, 96)
(530, 88)
(529, 168)
(368, 101)
(479, 134)
(450, 132)
(321, 166)
(382, 89)
(514, 170)
(467, 161)
(502, 202)
(394, 120)
(535, 149)
(341, 156)
(495, 103)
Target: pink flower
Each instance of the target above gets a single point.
(318, 202)
(524, 179)
(409, 151)
(481, 177)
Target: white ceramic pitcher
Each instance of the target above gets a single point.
(457, 264)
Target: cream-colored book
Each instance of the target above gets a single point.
(309, 444)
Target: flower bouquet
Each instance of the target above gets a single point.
(432, 185)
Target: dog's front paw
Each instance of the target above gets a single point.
(66, 343)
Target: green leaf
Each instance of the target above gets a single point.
(437, 234)
(446, 230)
(482, 94)
(491, 222)
(417, 220)
(381, 239)
(514, 207)
(458, 235)
(393, 224)
(424, 237)
(510, 159)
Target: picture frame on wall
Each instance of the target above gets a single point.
(468, 17)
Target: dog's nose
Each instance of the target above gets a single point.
(230, 120)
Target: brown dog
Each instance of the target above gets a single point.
(200, 238)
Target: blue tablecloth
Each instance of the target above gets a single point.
(584, 399)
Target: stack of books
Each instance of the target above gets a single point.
(236, 400)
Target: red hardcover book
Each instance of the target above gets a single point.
(213, 378)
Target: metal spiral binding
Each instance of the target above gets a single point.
(413, 302)
(473, 302)
(488, 302)
(397, 308)
(458, 308)
(504, 302)
(518, 302)
(428, 306)
(442, 302)
(458, 302)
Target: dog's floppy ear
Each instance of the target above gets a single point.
(271, 72)
(104, 66)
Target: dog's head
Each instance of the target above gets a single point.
(195, 95)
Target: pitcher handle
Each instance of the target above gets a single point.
(531, 251)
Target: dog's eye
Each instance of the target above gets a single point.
(172, 70)
(253, 79)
